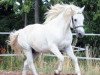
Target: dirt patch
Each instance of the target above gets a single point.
(10, 73)
(19, 73)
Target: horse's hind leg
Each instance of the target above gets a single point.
(29, 62)
(25, 68)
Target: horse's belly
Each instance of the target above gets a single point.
(40, 45)
(41, 48)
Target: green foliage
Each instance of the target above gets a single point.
(11, 22)
(55, 1)
(18, 9)
(6, 3)
(26, 7)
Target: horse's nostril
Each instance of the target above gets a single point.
(80, 35)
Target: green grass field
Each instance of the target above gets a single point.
(47, 65)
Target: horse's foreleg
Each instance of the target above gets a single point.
(54, 49)
(30, 63)
(70, 53)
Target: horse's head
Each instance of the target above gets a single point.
(77, 22)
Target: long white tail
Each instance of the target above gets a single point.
(13, 42)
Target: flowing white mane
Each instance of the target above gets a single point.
(57, 9)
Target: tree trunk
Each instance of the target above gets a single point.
(25, 19)
(36, 11)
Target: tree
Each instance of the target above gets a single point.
(36, 11)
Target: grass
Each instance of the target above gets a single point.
(49, 64)
(10, 63)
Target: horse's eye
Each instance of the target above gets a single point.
(75, 20)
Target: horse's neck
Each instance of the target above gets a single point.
(61, 23)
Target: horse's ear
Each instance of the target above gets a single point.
(82, 9)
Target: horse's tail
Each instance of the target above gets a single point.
(13, 42)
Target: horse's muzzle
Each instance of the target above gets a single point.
(80, 35)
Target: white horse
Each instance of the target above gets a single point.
(53, 36)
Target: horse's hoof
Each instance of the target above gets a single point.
(56, 72)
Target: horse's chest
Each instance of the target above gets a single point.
(63, 44)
